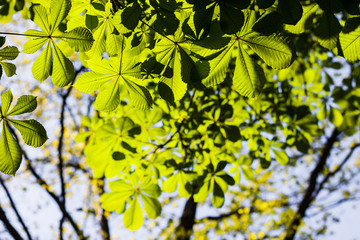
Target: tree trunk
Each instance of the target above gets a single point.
(187, 221)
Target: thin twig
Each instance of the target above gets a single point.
(13, 206)
(292, 228)
(60, 147)
(11, 229)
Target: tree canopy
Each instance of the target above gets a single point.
(189, 96)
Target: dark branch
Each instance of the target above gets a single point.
(60, 155)
(46, 186)
(187, 221)
(104, 224)
(12, 231)
(331, 174)
(309, 194)
(13, 206)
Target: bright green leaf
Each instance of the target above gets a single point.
(24, 104)
(133, 216)
(10, 152)
(33, 133)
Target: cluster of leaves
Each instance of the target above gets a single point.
(204, 58)
(7, 53)
(32, 131)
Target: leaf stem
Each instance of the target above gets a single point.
(20, 34)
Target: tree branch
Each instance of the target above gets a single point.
(13, 206)
(330, 174)
(187, 221)
(45, 186)
(309, 194)
(60, 155)
(12, 231)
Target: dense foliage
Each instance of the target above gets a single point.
(189, 94)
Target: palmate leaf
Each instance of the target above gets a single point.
(10, 152)
(111, 77)
(170, 51)
(33, 132)
(52, 61)
(7, 53)
(105, 27)
(248, 76)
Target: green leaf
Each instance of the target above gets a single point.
(41, 17)
(114, 201)
(350, 43)
(139, 95)
(330, 6)
(306, 21)
(248, 173)
(130, 16)
(10, 152)
(109, 97)
(151, 189)
(88, 82)
(79, 38)
(63, 70)
(231, 19)
(269, 23)
(2, 41)
(152, 206)
(6, 99)
(33, 45)
(91, 21)
(99, 44)
(336, 117)
(133, 216)
(185, 188)
(232, 132)
(281, 157)
(9, 68)
(328, 30)
(219, 67)
(265, 3)
(33, 133)
(290, 10)
(24, 104)
(273, 49)
(202, 193)
(248, 77)
(9, 53)
(42, 66)
(170, 184)
(59, 10)
(114, 43)
(218, 196)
